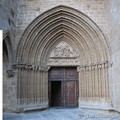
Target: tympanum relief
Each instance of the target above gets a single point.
(63, 54)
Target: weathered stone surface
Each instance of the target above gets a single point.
(8, 15)
(113, 15)
(89, 28)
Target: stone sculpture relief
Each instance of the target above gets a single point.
(63, 50)
(63, 54)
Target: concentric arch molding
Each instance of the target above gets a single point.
(59, 24)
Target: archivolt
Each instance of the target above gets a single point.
(58, 24)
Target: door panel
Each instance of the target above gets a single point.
(71, 94)
(71, 73)
(56, 74)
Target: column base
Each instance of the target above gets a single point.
(32, 107)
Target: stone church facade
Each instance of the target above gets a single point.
(60, 53)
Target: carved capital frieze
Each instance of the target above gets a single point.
(95, 66)
(10, 73)
(81, 68)
(87, 68)
(100, 66)
(30, 67)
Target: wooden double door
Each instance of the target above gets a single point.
(63, 87)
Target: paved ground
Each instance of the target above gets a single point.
(64, 114)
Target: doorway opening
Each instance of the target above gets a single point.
(55, 93)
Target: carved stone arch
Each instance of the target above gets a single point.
(58, 40)
(63, 39)
(7, 42)
(60, 12)
(58, 24)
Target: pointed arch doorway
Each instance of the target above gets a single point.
(63, 87)
(89, 51)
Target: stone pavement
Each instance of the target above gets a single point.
(64, 114)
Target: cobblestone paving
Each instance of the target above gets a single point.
(63, 114)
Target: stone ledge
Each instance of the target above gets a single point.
(29, 108)
(96, 106)
(34, 108)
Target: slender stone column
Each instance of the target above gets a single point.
(99, 81)
(80, 85)
(21, 87)
(24, 87)
(18, 86)
(90, 83)
(38, 87)
(103, 84)
(86, 82)
(28, 86)
(110, 85)
(46, 86)
(94, 83)
(92, 80)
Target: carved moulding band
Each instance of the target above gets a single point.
(95, 66)
(63, 61)
(31, 67)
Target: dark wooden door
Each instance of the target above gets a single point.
(66, 94)
(71, 94)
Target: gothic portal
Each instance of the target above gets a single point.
(62, 59)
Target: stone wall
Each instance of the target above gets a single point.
(105, 13)
(8, 15)
(113, 14)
